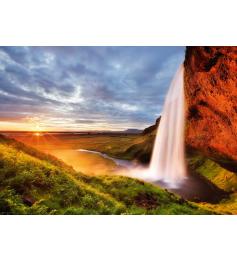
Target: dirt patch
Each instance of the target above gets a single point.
(146, 200)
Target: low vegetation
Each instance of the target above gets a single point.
(32, 182)
(221, 177)
(42, 184)
(200, 164)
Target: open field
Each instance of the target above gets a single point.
(65, 148)
(114, 144)
(33, 182)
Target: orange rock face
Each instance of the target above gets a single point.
(211, 98)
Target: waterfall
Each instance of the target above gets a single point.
(168, 156)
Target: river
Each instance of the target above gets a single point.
(119, 162)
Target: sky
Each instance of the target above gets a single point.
(84, 88)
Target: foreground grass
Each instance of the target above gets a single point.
(226, 206)
(143, 198)
(35, 183)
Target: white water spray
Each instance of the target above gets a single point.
(168, 156)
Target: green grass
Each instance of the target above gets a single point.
(143, 198)
(221, 177)
(32, 182)
(218, 175)
(37, 186)
(226, 206)
(141, 148)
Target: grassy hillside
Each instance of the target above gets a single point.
(32, 182)
(222, 177)
(204, 166)
(141, 148)
(218, 175)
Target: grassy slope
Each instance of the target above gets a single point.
(143, 198)
(221, 177)
(141, 148)
(35, 183)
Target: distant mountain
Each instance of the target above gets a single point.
(132, 131)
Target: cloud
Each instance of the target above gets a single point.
(72, 87)
(85, 121)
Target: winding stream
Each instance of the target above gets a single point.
(119, 162)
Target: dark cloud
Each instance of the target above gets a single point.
(84, 121)
(76, 86)
(17, 54)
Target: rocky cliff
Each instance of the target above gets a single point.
(150, 129)
(211, 102)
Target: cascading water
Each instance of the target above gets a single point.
(168, 166)
(168, 157)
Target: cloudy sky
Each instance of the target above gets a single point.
(84, 88)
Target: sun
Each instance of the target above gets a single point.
(37, 134)
(37, 130)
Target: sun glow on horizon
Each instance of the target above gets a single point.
(38, 134)
(42, 123)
